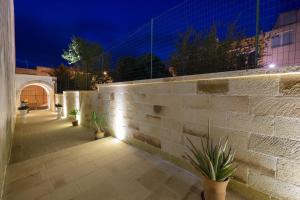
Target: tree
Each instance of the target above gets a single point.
(62, 75)
(198, 52)
(125, 66)
(144, 65)
(130, 68)
(84, 54)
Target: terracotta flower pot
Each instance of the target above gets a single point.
(75, 123)
(214, 190)
(99, 135)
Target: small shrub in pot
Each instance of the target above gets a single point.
(215, 163)
(74, 113)
(100, 123)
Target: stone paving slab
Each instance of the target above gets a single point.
(54, 161)
(43, 133)
(104, 169)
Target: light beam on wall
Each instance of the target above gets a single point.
(118, 118)
(77, 105)
(65, 105)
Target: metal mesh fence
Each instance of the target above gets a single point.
(210, 36)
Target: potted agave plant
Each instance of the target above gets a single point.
(100, 123)
(74, 113)
(58, 110)
(215, 163)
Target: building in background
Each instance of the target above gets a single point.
(283, 42)
(39, 70)
(36, 87)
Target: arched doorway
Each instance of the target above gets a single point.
(35, 96)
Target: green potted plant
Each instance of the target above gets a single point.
(100, 122)
(215, 163)
(74, 113)
(24, 103)
(58, 110)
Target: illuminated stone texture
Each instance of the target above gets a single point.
(289, 85)
(259, 113)
(213, 86)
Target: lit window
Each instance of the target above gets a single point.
(283, 38)
(287, 37)
(276, 41)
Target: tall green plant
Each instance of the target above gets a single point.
(213, 161)
(74, 113)
(100, 120)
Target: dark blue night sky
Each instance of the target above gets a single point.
(44, 28)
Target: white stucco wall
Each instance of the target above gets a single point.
(47, 82)
(7, 71)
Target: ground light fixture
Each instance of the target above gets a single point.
(272, 65)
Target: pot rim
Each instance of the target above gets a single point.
(217, 182)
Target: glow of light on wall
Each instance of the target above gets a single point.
(77, 105)
(202, 77)
(272, 65)
(65, 106)
(118, 118)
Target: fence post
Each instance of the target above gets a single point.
(151, 50)
(257, 32)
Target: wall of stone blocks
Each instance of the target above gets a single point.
(7, 97)
(84, 101)
(259, 113)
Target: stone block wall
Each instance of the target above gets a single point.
(259, 113)
(7, 97)
(84, 101)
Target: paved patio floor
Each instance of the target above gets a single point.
(106, 169)
(43, 133)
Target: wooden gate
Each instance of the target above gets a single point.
(36, 96)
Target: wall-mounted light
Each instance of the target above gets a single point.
(272, 65)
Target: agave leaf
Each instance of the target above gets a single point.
(198, 155)
(194, 150)
(221, 159)
(214, 161)
(228, 173)
(197, 166)
(208, 139)
(212, 173)
(226, 161)
(225, 144)
(202, 144)
(217, 158)
(192, 145)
